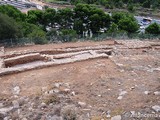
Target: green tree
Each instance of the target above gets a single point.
(113, 28)
(131, 7)
(153, 29)
(147, 4)
(9, 28)
(38, 36)
(12, 12)
(117, 16)
(79, 27)
(64, 18)
(120, 3)
(91, 19)
(68, 34)
(52, 34)
(28, 28)
(98, 19)
(35, 17)
(95, 23)
(34, 32)
(128, 25)
(49, 17)
(125, 21)
(82, 13)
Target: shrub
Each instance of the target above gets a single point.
(39, 40)
(69, 113)
(107, 6)
(38, 37)
(68, 34)
(153, 29)
(51, 99)
(131, 8)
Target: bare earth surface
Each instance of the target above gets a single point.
(123, 85)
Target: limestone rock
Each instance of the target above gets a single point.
(5, 110)
(157, 93)
(156, 108)
(82, 104)
(15, 104)
(16, 90)
(118, 117)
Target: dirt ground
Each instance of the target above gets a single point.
(59, 45)
(104, 88)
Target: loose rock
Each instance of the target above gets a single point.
(5, 110)
(157, 93)
(118, 117)
(123, 93)
(120, 97)
(43, 105)
(156, 108)
(56, 90)
(1, 105)
(73, 93)
(82, 104)
(67, 85)
(15, 104)
(146, 92)
(132, 88)
(57, 85)
(16, 90)
(67, 90)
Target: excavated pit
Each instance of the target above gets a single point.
(22, 59)
(18, 62)
(116, 83)
(32, 59)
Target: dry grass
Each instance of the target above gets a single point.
(51, 99)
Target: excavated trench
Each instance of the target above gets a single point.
(26, 60)
(18, 62)
(23, 59)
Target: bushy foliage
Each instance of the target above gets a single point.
(14, 24)
(120, 3)
(67, 35)
(153, 29)
(12, 12)
(125, 21)
(128, 25)
(9, 28)
(82, 20)
(131, 8)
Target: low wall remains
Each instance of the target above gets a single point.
(2, 65)
(22, 59)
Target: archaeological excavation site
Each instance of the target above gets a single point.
(104, 80)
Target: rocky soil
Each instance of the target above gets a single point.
(123, 86)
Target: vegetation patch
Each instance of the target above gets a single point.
(51, 99)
